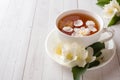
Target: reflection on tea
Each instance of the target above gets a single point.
(78, 24)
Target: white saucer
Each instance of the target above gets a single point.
(51, 41)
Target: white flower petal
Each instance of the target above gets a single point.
(92, 28)
(81, 63)
(111, 9)
(85, 54)
(68, 61)
(78, 23)
(93, 59)
(67, 29)
(84, 31)
(81, 31)
(115, 4)
(77, 29)
(73, 54)
(90, 57)
(90, 51)
(90, 23)
(82, 28)
(76, 34)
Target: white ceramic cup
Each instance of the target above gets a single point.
(84, 40)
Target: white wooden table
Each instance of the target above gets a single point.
(24, 25)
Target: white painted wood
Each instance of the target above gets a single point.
(35, 63)
(3, 8)
(15, 28)
(70, 4)
(67, 74)
(112, 70)
(116, 28)
(89, 5)
(93, 75)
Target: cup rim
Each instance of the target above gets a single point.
(90, 13)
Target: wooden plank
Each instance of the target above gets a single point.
(15, 32)
(90, 6)
(70, 4)
(93, 75)
(3, 8)
(112, 70)
(67, 74)
(116, 39)
(34, 68)
(51, 70)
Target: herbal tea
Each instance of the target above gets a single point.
(78, 24)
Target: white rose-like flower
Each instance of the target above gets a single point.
(78, 23)
(92, 28)
(111, 9)
(73, 54)
(90, 23)
(90, 57)
(67, 29)
(79, 32)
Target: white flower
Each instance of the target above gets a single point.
(84, 31)
(92, 28)
(90, 23)
(90, 57)
(67, 29)
(73, 54)
(76, 34)
(78, 23)
(111, 9)
(81, 32)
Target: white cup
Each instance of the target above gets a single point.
(84, 40)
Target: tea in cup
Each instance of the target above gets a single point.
(81, 26)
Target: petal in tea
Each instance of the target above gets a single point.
(67, 29)
(90, 23)
(78, 23)
(77, 34)
(84, 31)
(76, 29)
(92, 28)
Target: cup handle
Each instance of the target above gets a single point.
(111, 32)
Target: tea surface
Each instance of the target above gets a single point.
(78, 25)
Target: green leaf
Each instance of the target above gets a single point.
(118, 1)
(114, 20)
(78, 71)
(102, 2)
(94, 63)
(97, 47)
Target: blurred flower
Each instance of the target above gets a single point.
(111, 9)
(72, 54)
(90, 57)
